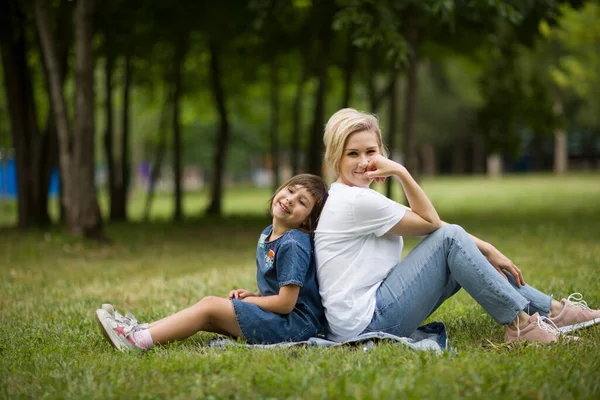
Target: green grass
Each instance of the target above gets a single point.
(50, 285)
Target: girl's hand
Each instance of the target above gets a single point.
(503, 263)
(240, 294)
(380, 168)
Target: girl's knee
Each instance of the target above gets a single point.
(211, 305)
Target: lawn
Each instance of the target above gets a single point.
(50, 285)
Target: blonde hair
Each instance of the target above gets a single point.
(340, 126)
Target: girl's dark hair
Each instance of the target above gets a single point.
(317, 187)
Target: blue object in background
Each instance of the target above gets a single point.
(54, 187)
(11, 178)
(8, 180)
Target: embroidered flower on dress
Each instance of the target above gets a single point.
(269, 257)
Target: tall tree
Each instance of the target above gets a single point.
(77, 149)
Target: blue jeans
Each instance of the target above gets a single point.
(437, 268)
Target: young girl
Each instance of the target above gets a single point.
(286, 306)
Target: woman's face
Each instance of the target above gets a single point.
(360, 147)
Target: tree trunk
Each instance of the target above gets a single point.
(410, 103)
(561, 159)
(122, 183)
(180, 51)
(315, 159)
(393, 126)
(48, 151)
(349, 72)
(297, 120)
(223, 138)
(274, 139)
(478, 154)
(494, 165)
(429, 159)
(76, 153)
(109, 131)
(561, 151)
(156, 166)
(17, 80)
(459, 151)
(84, 216)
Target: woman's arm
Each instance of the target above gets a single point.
(421, 218)
(282, 303)
(498, 260)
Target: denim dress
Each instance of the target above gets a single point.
(287, 260)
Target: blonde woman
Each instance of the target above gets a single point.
(364, 285)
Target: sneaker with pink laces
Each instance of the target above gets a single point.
(539, 329)
(575, 314)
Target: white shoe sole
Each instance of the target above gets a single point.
(108, 332)
(581, 325)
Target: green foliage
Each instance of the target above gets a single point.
(51, 284)
(575, 68)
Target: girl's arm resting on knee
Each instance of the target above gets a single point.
(241, 294)
(282, 303)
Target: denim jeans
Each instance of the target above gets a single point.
(437, 268)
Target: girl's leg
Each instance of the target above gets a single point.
(211, 314)
(442, 263)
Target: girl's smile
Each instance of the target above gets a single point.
(291, 206)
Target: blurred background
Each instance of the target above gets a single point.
(108, 109)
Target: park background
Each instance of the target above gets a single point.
(172, 123)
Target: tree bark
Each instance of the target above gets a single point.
(77, 152)
(156, 166)
(47, 151)
(561, 160)
(410, 103)
(109, 131)
(429, 159)
(494, 165)
(561, 152)
(17, 80)
(274, 124)
(479, 158)
(84, 216)
(180, 52)
(215, 206)
(120, 211)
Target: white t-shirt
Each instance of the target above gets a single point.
(354, 255)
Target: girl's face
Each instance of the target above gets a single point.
(291, 206)
(360, 147)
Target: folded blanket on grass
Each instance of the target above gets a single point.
(430, 337)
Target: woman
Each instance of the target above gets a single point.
(363, 284)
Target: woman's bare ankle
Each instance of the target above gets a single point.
(520, 322)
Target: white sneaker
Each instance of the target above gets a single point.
(128, 319)
(118, 334)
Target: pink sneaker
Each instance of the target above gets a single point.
(539, 329)
(575, 314)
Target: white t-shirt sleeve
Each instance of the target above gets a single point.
(375, 213)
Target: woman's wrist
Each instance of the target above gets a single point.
(400, 171)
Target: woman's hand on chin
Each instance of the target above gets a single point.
(380, 168)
